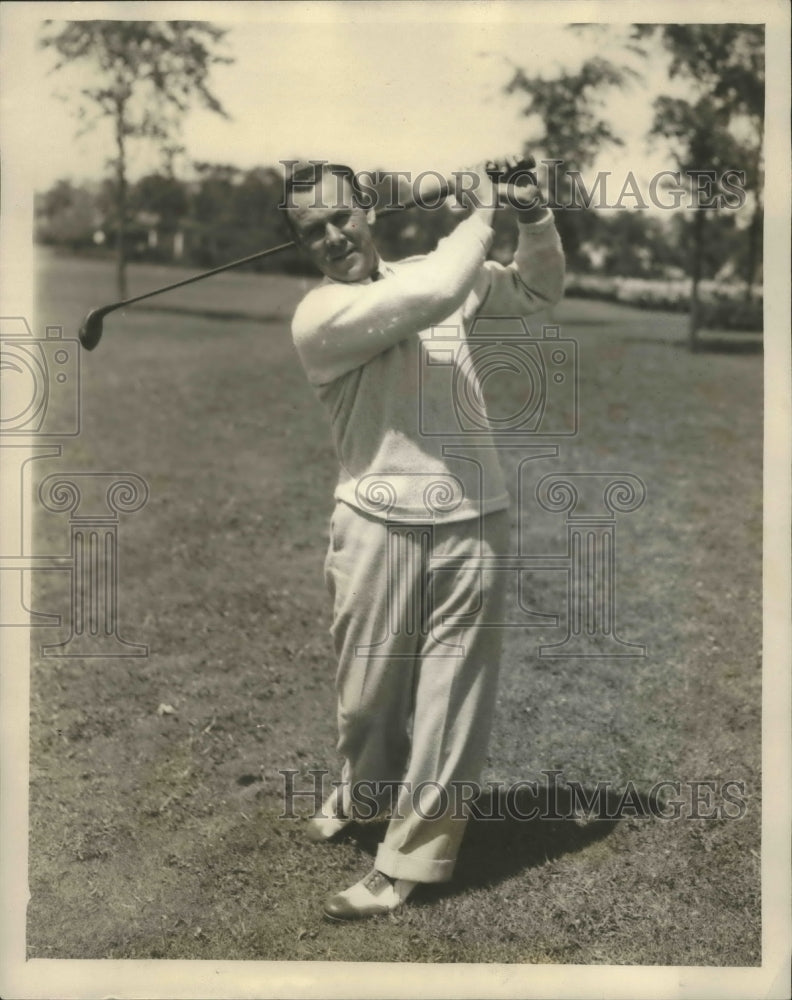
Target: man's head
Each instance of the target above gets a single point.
(328, 223)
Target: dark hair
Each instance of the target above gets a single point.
(309, 174)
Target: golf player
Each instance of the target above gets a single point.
(416, 522)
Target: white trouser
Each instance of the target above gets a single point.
(416, 691)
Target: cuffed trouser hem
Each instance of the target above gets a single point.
(413, 868)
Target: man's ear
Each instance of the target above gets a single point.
(371, 216)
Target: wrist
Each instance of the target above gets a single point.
(530, 216)
(486, 213)
(478, 224)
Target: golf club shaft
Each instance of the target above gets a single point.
(202, 275)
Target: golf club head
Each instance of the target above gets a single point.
(91, 330)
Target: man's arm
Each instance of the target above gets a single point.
(339, 327)
(533, 280)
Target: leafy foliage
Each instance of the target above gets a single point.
(569, 123)
(67, 215)
(720, 127)
(164, 65)
(147, 76)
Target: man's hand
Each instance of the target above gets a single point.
(527, 201)
(517, 188)
(475, 191)
(506, 183)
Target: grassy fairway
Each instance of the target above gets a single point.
(156, 835)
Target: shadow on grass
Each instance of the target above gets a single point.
(507, 834)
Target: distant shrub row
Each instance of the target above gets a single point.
(722, 305)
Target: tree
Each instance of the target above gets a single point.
(213, 210)
(165, 196)
(703, 148)
(148, 73)
(722, 127)
(635, 245)
(570, 126)
(67, 215)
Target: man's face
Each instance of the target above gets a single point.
(333, 230)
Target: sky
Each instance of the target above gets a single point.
(407, 87)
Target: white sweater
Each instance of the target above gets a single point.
(389, 376)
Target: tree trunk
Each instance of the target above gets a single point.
(121, 205)
(753, 248)
(695, 271)
(754, 230)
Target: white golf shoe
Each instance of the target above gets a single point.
(374, 895)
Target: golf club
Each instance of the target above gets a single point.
(90, 332)
(91, 329)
